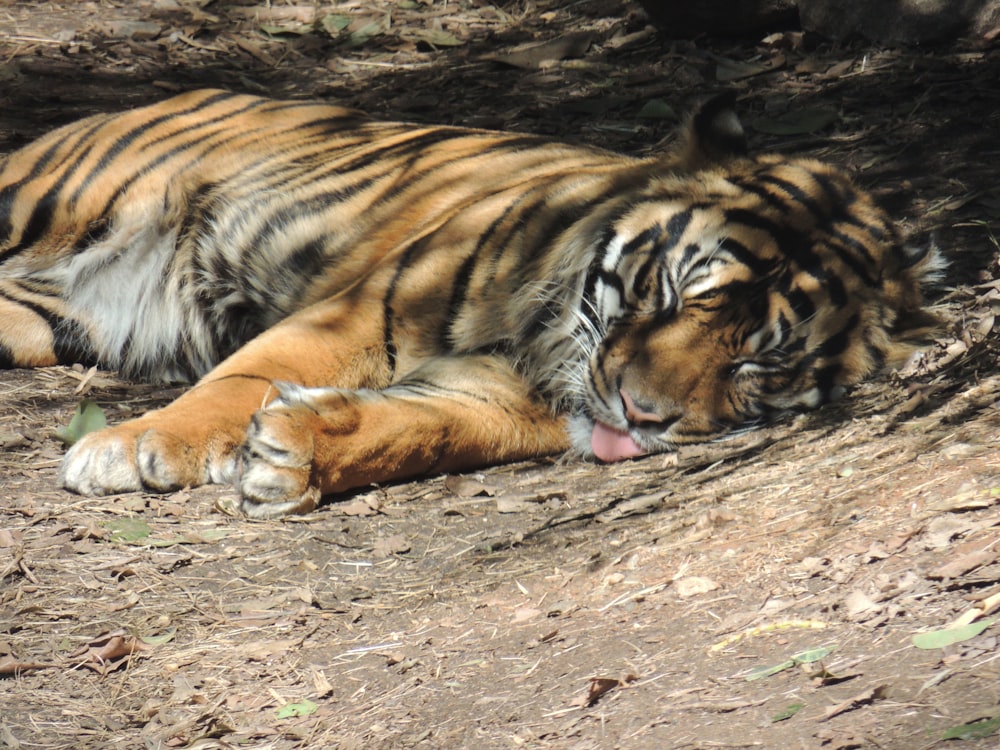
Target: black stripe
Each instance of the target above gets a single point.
(388, 316)
(41, 217)
(188, 145)
(800, 302)
(545, 240)
(836, 344)
(761, 267)
(796, 246)
(123, 142)
(878, 356)
(460, 287)
(415, 146)
(275, 223)
(836, 290)
(797, 194)
(72, 345)
(791, 244)
(70, 342)
(843, 242)
(8, 193)
(671, 237)
(825, 379)
(767, 196)
(645, 237)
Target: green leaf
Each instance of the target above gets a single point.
(758, 673)
(276, 30)
(734, 70)
(788, 712)
(89, 417)
(360, 37)
(803, 657)
(797, 122)
(289, 710)
(128, 530)
(437, 38)
(204, 536)
(948, 636)
(158, 640)
(973, 731)
(657, 109)
(813, 654)
(333, 24)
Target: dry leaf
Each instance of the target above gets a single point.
(523, 614)
(599, 686)
(391, 545)
(361, 506)
(858, 603)
(10, 440)
(522, 503)
(11, 667)
(734, 70)
(964, 564)
(812, 566)
(468, 486)
(943, 530)
(321, 685)
(968, 500)
(255, 50)
(266, 650)
(842, 68)
(108, 652)
(536, 55)
(516, 504)
(839, 739)
(861, 699)
(693, 585)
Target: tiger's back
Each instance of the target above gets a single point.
(652, 301)
(165, 238)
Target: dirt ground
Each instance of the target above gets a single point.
(761, 592)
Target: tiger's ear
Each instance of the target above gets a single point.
(714, 134)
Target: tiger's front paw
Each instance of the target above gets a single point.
(278, 460)
(133, 456)
(102, 463)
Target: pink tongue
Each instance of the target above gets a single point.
(610, 444)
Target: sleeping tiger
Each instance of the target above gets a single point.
(364, 301)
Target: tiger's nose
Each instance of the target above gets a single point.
(637, 413)
(644, 416)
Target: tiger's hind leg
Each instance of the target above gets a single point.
(451, 414)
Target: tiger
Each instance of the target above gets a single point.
(361, 302)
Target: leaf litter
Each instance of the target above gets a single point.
(500, 619)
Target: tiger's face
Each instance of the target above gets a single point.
(769, 286)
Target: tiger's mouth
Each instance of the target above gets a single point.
(610, 444)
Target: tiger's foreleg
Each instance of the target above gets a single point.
(198, 438)
(450, 414)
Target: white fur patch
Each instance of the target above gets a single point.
(122, 290)
(580, 428)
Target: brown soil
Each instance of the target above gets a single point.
(549, 604)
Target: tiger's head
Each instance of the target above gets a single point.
(733, 287)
